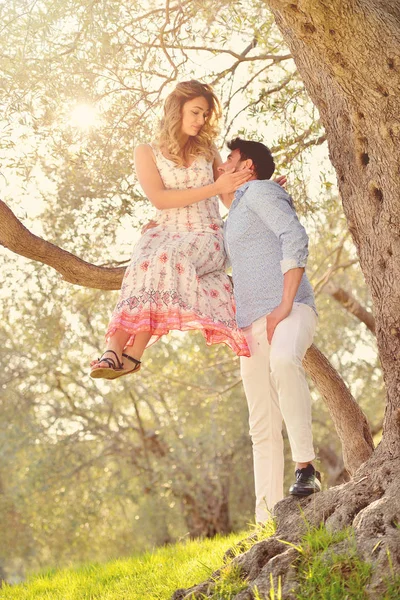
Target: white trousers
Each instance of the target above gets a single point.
(275, 385)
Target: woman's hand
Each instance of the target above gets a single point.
(230, 181)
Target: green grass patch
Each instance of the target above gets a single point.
(229, 583)
(392, 588)
(392, 583)
(151, 576)
(326, 572)
(328, 568)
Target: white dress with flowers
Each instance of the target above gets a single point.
(176, 278)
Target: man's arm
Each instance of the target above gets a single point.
(272, 204)
(291, 282)
(275, 209)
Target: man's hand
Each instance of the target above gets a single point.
(148, 226)
(281, 180)
(275, 317)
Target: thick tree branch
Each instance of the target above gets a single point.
(350, 422)
(17, 238)
(351, 304)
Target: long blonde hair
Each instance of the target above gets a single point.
(170, 126)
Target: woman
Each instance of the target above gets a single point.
(176, 277)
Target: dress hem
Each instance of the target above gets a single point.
(161, 324)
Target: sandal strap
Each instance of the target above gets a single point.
(134, 360)
(111, 361)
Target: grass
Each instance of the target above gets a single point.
(229, 583)
(151, 576)
(392, 582)
(325, 573)
(328, 568)
(392, 588)
(322, 573)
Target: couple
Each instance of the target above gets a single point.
(176, 279)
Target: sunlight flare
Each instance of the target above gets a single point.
(84, 116)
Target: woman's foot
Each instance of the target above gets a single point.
(109, 365)
(130, 364)
(106, 358)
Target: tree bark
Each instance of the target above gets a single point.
(352, 305)
(351, 424)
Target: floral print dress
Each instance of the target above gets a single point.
(176, 278)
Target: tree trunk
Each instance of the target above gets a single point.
(207, 511)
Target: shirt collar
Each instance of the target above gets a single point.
(239, 193)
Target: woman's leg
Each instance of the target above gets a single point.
(116, 343)
(138, 347)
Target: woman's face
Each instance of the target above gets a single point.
(194, 115)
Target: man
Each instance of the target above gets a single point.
(268, 249)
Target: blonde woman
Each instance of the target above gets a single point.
(176, 278)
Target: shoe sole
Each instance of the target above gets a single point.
(109, 373)
(304, 494)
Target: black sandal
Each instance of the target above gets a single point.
(136, 368)
(110, 371)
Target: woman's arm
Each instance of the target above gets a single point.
(226, 198)
(152, 184)
(216, 163)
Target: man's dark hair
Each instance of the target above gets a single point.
(259, 153)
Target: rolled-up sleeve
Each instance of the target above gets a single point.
(275, 209)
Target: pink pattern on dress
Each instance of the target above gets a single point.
(176, 278)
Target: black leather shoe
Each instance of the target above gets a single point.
(308, 481)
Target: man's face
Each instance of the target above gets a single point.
(233, 162)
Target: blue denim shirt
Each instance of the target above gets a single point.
(264, 239)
